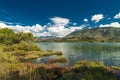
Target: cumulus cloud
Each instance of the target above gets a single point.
(18, 28)
(85, 20)
(59, 28)
(117, 16)
(60, 21)
(62, 31)
(113, 24)
(97, 17)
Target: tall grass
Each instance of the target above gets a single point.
(22, 46)
(13, 69)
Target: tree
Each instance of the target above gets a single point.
(9, 37)
(25, 37)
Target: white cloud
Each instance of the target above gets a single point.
(113, 24)
(76, 28)
(97, 17)
(85, 20)
(62, 31)
(18, 28)
(2, 25)
(60, 21)
(117, 16)
(58, 29)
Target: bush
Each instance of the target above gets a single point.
(92, 70)
(22, 46)
(9, 37)
(7, 57)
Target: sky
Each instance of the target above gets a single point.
(58, 17)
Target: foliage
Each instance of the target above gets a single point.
(22, 46)
(30, 71)
(6, 57)
(28, 37)
(9, 37)
(92, 70)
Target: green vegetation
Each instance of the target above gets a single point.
(49, 53)
(89, 70)
(22, 46)
(116, 67)
(88, 64)
(60, 59)
(17, 53)
(9, 37)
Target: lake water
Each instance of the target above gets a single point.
(109, 53)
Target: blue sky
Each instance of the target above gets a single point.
(58, 17)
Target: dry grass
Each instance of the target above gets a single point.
(59, 59)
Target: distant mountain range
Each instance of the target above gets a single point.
(93, 34)
(48, 37)
(96, 34)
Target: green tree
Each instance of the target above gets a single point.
(25, 37)
(7, 36)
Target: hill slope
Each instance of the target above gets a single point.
(98, 34)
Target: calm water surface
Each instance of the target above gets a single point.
(109, 53)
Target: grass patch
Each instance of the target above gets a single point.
(86, 63)
(49, 53)
(59, 59)
(22, 46)
(116, 67)
(17, 65)
(30, 56)
(91, 70)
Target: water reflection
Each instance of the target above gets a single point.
(109, 53)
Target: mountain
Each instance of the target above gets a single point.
(95, 34)
(47, 39)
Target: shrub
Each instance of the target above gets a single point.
(7, 57)
(9, 37)
(22, 46)
(92, 70)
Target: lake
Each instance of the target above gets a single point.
(108, 52)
